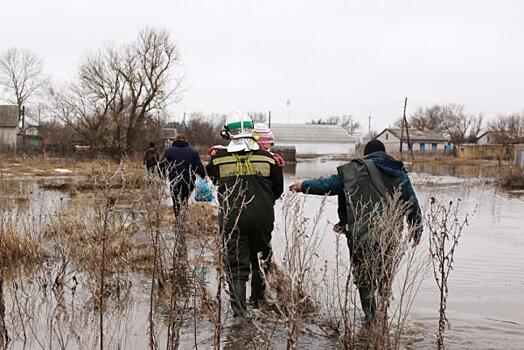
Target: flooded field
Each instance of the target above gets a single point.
(486, 305)
(486, 287)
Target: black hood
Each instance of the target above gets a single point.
(180, 143)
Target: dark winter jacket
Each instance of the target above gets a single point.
(182, 162)
(387, 165)
(151, 156)
(252, 178)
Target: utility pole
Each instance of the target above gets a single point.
(269, 118)
(23, 118)
(369, 126)
(405, 125)
(288, 103)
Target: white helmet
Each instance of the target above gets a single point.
(240, 130)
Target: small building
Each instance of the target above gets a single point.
(168, 136)
(422, 141)
(8, 125)
(313, 139)
(486, 151)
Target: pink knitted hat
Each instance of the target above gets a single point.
(265, 135)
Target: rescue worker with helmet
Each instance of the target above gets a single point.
(249, 182)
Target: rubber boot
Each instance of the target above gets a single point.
(237, 291)
(367, 300)
(258, 288)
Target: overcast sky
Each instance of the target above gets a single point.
(329, 57)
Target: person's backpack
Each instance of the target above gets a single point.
(364, 190)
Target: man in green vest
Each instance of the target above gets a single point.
(361, 185)
(249, 182)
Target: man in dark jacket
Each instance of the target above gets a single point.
(181, 162)
(391, 176)
(249, 182)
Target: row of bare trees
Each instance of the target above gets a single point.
(346, 121)
(508, 128)
(117, 95)
(453, 121)
(449, 119)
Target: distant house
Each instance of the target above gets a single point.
(8, 125)
(314, 140)
(422, 141)
(487, 138)
(168, 136)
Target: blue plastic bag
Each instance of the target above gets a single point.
(203, 191)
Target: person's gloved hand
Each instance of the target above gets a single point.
(296, 187)
(416, 235)
(279, 160)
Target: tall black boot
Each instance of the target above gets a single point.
(237, 291)
(367, 300)
(258, 288)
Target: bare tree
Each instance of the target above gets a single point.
(449, 119)
(204, 130)
(120, 89)
(345, 121)
(508, 128)
(348, 123)
(258, 117)
(21, 75)
(475, 129)
(146, 67)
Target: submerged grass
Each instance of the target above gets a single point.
(17, 248)
(512, 179)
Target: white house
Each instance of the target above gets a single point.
(314, 140)
(422, 141)
(8, 125)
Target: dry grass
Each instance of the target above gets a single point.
(512, 179)
(17, 248)
(50, 167)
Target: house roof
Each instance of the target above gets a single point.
(8, 116)
(310, 133)
(418, 135)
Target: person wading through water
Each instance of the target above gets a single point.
(249, 182)
(181, 162)
(356, 183)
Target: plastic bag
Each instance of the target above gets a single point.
(203, 191)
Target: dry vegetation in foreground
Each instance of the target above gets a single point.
(97, 244)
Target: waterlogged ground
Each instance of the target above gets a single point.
(485, 306)
(486, 287)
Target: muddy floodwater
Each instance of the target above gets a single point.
(486, 287)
